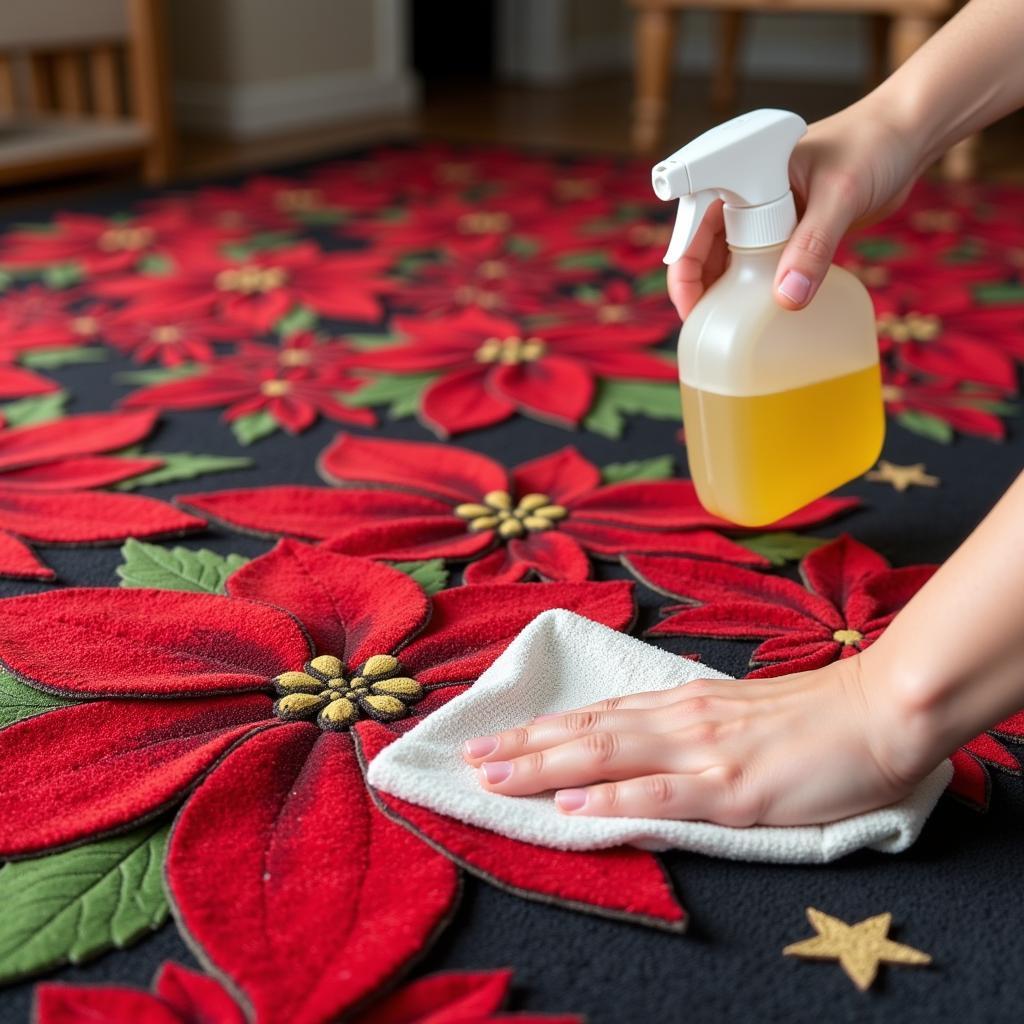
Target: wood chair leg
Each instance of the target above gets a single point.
(150, 75)
(655, 47)
(723, 83)
(907, 34)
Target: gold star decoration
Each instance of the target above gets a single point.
(902, 477)
(859, 948)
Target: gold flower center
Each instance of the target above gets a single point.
(575, 188)
(322, 692)
(484, 223)
(167, 334)
(510, 351)
(613, 313)
(250, 279)
(85, 325)
(275, 388)
(467, 295)
(912, 327)
(125, 239)
(650, 234)
(491, 270)
(848, 637)
(935, 220)
(298, 200)
(535, 512)
(891, 393)
(295, 357)
(455, 174)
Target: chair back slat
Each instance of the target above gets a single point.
(8, 88)
(41, 79)
(105, 81)
(70, 83)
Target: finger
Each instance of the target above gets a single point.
(702, 797)
(810, 251)
(596, 757)
(552, 730)
(687, 277)
(645, 698)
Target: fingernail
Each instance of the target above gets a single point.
(795, 286)
(571, 799)
(496, 771)
(481, 746)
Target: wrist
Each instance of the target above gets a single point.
(901, 104)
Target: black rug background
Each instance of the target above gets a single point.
(957, 893)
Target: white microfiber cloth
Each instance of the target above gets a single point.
(562, 661)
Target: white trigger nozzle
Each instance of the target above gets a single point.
(689, 217)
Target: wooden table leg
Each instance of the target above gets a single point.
(723, 83)
(655, 48)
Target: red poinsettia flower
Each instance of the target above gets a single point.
(850, 596)
(101, 245)
(635, 245)
(545, 518)
(491, 367)
(165, 338)
(257, 291)
(178, 706)
(182, 996)
(40, 317)
(45, 471)
(616, 302)
(966, 410)
(295, 382)
(946, 336)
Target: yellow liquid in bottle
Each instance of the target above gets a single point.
(757, 458)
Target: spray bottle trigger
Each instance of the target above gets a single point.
(689, 218)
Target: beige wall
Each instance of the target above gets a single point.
(597, 19)
(246, 41)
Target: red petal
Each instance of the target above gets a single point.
(78, 474)
(954, 360)
(564, 476)
(203, 391)
(552, 555)
(841, 567)
(500, 566)
(806, 663)
(18, 561)
(712, 583)
(88, 517)
(198, 998)
(622, 882)
(471, 626)
(454, 997)
(883, 595)
(85, 434)
(611, 542)
(970, 781)
(104, 765)
(313, 513)
(657, 504)
(552, 388)
(458, 402)
(352, 607)
(95, 1004)
(455, 474)
(796, 646)
(737, 619)
(991, 751)
(100, 641)
(413, 539)
(815, 514)
(315, 912)
(17, 382)
(628, 363)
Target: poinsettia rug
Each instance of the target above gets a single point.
(287, 461)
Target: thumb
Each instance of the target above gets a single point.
(807, 257)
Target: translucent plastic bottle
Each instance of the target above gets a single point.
(780, 407)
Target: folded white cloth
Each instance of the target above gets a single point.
(562, 661)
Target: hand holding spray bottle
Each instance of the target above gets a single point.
(780, 407)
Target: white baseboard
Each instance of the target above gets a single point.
(268, 108)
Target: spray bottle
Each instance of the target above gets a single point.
(780, 407)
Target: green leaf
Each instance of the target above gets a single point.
(782, 547)
(63, 275)
(876, 249)
(39, 409)
(154, 264)
(926, 425)
(661, 467)
(158, 374)
(150, 565)
(67, 355)
(264, 241)
(69, 907)
(652, 283)
(592, 259)
(520, 245)
(368, 342)
(296, 320)
(18, 700)
(431, 575)
(411, 265)
(326, 216)
(253, 426)
(6, 280)
(182, 466)
(400, 391)
(1003, 293)
(618, 398)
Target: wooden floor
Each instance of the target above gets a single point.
(591, 116)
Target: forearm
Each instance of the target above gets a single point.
(953, 659)
(966, 76)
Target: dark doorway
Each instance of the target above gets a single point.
(453, 40)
